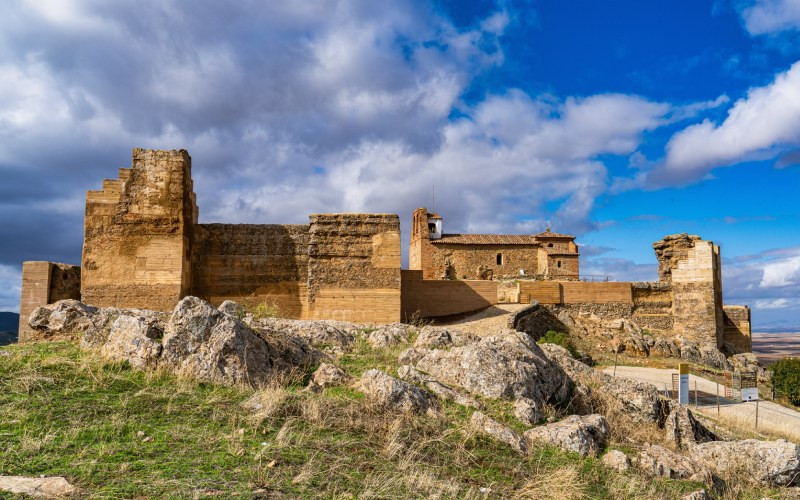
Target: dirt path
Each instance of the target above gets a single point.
(489, 321)
(772, 417)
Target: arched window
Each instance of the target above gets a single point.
(499, 259)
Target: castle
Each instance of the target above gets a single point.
(144, 248)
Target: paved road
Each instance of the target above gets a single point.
(771, 416)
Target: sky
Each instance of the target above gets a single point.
(619, 122)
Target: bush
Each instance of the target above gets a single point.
(786, 377)
(558, 338)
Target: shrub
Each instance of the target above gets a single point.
(558, 338)
(786, 377)
(264, 310)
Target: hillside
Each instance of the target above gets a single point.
(9, 323)
(334, 431)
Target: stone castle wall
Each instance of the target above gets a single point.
(436, 298)
(465, 262)
(45, 283)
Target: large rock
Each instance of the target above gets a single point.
(773, 463)
(328, 375)
(134, 340)
(434, 337)
(498, 431)
(96, 335)
(683, 429)
(389, 335)
(332, 337)
(616, 460)
(639, 401)
(396, 394)
(527, 411)
(61, 319)
(41, 487)
(509, 365)
(661, 462)
(585, 435)
(205, 344)
(232, 308)
(411, 374)
(536, 320)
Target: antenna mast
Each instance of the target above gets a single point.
(433, 198)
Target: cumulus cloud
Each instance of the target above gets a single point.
(760, 125)
(783, 272)
(770, 16)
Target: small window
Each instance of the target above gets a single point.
(432, 227)
(550, 245)
(559, 263)
(499, 259)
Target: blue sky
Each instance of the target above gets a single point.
(618, 121)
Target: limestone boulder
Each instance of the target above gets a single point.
(586, 435)
(332, 337)
(683, 429)
(661, 462)
(536, 320)
(697, 495)
(395, 394)
(527, 411)
(411, 356)
(65, 318)
(389, 335)
(433, 337)
(328, 375)
(490, 427)
(713, 357)
(638, 401)
(96, 335)
(616, 460)
(442, 391)
(38, 487)
(232, 308)
(509, 365)
(204, 344)
(134, 340)
(772, 463)
(665, 348)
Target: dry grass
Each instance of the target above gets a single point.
(564, 482)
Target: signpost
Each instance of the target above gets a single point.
(749, 393)
(683, 384)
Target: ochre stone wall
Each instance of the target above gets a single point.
(138, 234)
(465, 260)
(737, 335)
(434, 298)
(253, 264)
(354, 267)
(652, 305)
(44, 283)
(575, 292)
(544, 292)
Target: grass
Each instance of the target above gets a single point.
(116, 432)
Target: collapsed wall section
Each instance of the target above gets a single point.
(354, 267)
(44, 283)
(138, 234)
(652, 305)
(253, 264)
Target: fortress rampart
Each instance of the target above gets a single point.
(144, 248)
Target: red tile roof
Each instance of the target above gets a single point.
(487, 239)
(550, 234)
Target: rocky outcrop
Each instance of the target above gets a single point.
(65, 318)
(41, 487)
(411, 374)
(134, 340)
(527, 411)
(432, 337)
(638, 401)
(389, 335)
(661, 462)
(683, 429)
(232, 308)
(773, 463)
(586, 435)
(396, 394)
(96, 335)
(748, 363)
(411, 356)
(331, 337)
(536, 320)
(498, 431)
(205, 344)
(616, 460)
(509, 365)
(327, 375)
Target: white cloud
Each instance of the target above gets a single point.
(770, 16)
(781, 303)
(760, 125)
(783, 272)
